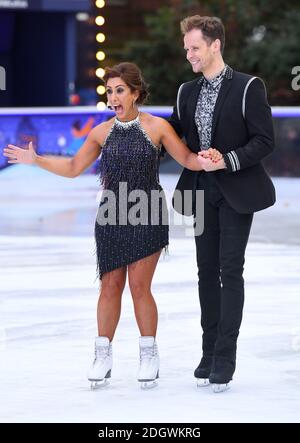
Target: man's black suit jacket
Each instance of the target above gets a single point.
(243, 140)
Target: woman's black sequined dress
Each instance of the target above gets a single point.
(132, 220)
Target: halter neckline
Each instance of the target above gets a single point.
(128, 123)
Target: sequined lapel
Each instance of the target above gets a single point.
(225, 87)
(192, 103)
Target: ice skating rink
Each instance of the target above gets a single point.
(48, 315)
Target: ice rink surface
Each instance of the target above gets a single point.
(48, 297)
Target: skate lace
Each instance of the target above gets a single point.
(147, 353)
(101, 352)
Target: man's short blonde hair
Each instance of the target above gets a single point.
(212, 28)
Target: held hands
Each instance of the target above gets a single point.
(211, 160)
(20, 155)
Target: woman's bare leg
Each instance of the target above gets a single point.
(140, 274)
(109, 303)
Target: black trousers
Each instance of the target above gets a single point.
(220, 259)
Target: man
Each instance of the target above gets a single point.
(226, 110)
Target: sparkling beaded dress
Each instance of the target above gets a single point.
(128, 173)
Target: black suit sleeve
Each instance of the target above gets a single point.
(175, 121)
(259, 123)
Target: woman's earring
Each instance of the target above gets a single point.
(133, 104)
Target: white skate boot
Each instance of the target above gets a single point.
(100, 371)
(149, 363)
(217, 387)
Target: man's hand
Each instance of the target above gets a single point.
(211, 160)
(211, 153)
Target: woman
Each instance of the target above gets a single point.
(130, 145)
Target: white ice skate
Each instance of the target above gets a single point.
(149, 363)
(217, 388)
(202, 382)
(202, 372)
(100, 371)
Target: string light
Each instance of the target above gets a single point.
(101, 90)
(100, 37)
(100, 3)
(100, 72)
(100, 55)
(100, 20)
(101, 106)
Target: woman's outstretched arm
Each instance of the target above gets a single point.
(66, 167)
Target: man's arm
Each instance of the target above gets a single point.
(259, 123)
(175, 122)
(174, 119)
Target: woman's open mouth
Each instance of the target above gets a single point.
(118, 109)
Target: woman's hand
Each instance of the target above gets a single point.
(211, 153)
(19, 155)
(208, 165)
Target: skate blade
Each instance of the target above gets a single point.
(145, 385)
(217, 388)
(99, 384)
(202, 382)
(149, 384)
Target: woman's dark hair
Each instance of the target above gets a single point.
(131, 74)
